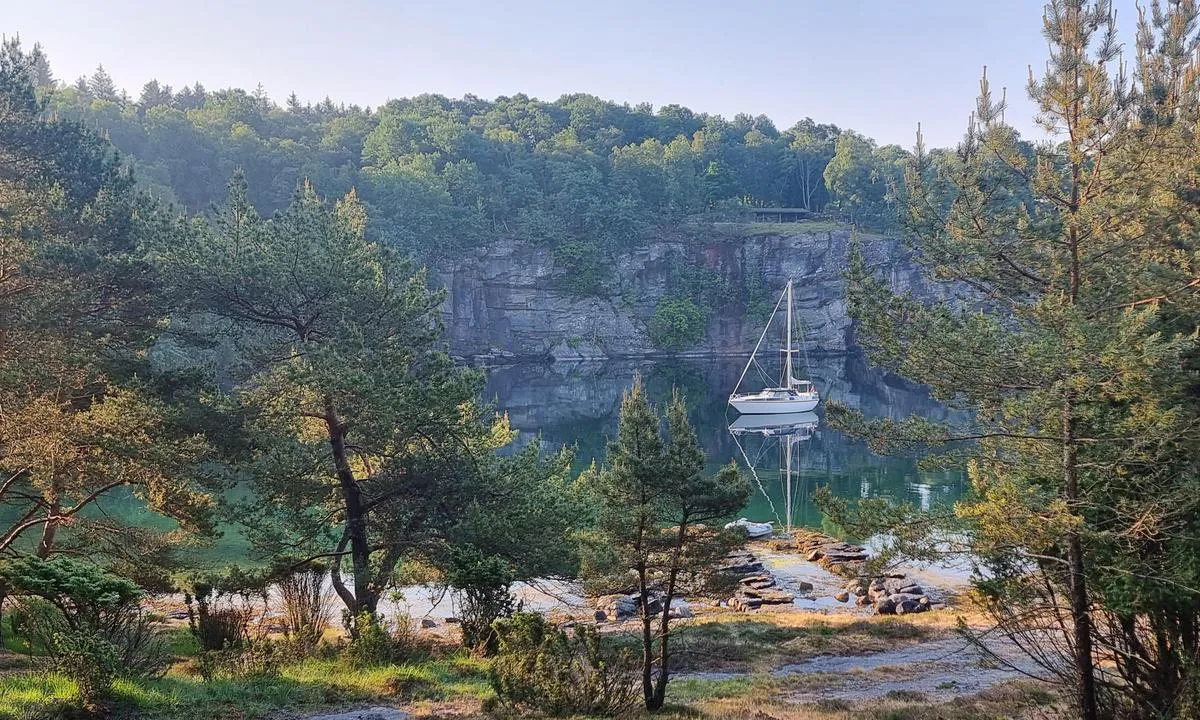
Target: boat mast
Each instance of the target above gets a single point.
(788, 380)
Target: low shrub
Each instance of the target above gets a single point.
(539, 667)
(88, 622)
(90, 660)
(253, 658)
(482, 591)
(373, 643)
(307, 607)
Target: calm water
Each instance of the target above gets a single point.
(578, 404)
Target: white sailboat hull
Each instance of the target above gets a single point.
(765, 404)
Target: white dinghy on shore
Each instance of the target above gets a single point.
(753, 529)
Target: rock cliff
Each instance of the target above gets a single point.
(511, 301)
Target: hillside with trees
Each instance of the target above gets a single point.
(439, 174)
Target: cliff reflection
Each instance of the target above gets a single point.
(577, 404)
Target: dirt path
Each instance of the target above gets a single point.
(936, 670)
(939, 669)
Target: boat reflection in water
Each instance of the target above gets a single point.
(786, 433)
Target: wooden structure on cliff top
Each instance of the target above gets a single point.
(781, 215)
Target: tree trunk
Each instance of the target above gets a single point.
(1085, 679)
(50, 529)
(647, 641)
(356, 515)
(664, 654)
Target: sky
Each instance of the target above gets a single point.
(876, 66)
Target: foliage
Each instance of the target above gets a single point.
(222, 608)
(372, 643)
(483, 595)
(541, 668)
(306, 606)
(655, 505)
(444, 175)
(88, 659)
(88, 622)
(582, 267)
(342, 346)
(677, 324)
(82, 415)
(1068, 329)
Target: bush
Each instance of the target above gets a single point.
(373, 644)
(677, 324)
(583, 265)
(306, 607)
(88, 622)
(253, 658)
(219, 627)
(90, 660)
(541, 668)
(482, 590)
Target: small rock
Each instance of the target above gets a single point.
(680, 609)
(842, 596)
(749, 603)
(803, 586)
(862, 601)
(885, 607)
(815, 555)
(906, 607)
(601, 616)
(428, 622)
(452, 621)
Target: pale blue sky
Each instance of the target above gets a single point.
(878, 66)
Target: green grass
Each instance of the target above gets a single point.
(746, 644)
(306, 685)
(17, 644)
(756, 229)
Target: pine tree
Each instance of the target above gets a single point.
(294, 105)
(153, 95)
(1067, 329)
(80, 416)
(353, 402)
(656, 504)
(43, 77)
(102, 87)
(83, 90)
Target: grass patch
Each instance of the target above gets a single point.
(307, 685)
(748, 645)
(757, 229)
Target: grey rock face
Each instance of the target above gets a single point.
(509, 301)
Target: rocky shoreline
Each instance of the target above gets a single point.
(888, 593)
(756, 585)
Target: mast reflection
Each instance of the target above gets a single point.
(787, 433)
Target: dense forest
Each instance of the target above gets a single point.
(439, 174)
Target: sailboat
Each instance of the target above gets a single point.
(793, 395)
